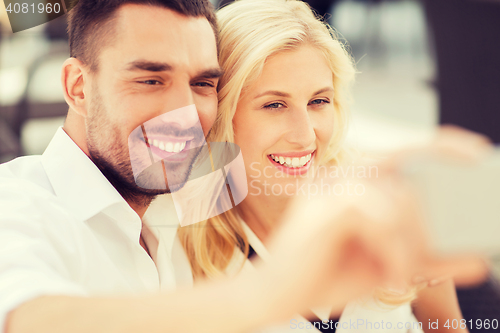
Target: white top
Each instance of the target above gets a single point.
(359, 316)
(64, 229)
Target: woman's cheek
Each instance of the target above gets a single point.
(324, 125)
(324, 133)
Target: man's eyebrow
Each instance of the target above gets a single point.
(212, 73)
(150, 66)
(273, 93)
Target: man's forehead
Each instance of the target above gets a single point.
(161, 35)
(151, 18)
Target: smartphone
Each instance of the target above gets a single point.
(461, 204)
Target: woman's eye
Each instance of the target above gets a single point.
(319, 101)
(273, 106)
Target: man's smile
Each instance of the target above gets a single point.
(171, 149)
(170, 145)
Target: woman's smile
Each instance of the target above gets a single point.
(296, 163)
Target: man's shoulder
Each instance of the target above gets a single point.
(23, 181)
(24, 174)
(29, 206)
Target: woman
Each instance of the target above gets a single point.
(285, 91)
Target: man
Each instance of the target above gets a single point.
(75, 256)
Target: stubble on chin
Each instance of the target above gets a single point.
(110, 153)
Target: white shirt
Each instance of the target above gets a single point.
(360, 316)
(64, 229)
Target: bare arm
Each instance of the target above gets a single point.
(341, 253)
(439, 303)
(222, 307)
(329, 251)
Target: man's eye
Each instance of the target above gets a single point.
(320, 101)
(275, 105)
(151, 82)
(203, 84)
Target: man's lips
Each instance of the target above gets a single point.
(179, 150)
(170, 138)
(169, 145)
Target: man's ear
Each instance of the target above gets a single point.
(74, 78)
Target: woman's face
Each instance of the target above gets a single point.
(284, 121)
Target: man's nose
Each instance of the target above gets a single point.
(180, 108)
(301, 129)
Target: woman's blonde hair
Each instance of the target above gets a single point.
(251, 31)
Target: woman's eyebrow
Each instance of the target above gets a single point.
(283, 94)
(326, 89)
(273, 93)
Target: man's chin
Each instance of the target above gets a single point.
(151, 191)
(154, 180)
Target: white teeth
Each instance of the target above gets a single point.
(168, 146)
(292, 162)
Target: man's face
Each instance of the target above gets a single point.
(159, 61)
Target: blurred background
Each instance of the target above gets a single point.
(420, 63)
(394, 96)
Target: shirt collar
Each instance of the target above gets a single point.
(324, 312)
(162, 219)
(255, 242)
(76, 180)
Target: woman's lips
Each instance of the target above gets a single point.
(293, 165)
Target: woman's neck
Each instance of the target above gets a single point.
(262, 213)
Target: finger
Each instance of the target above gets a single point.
(465, 271)
(462, 143)
(429, 280)
(450, 143)
(438, 281)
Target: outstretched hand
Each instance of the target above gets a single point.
(334, 248)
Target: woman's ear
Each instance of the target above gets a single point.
(73, 78)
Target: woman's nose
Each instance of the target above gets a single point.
(301, 128)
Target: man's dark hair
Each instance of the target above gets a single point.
(90, 22)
